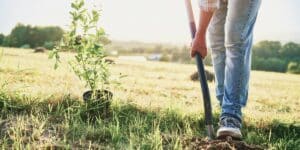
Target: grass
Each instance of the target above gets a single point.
(42, 107)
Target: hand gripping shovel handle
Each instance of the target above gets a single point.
(202, 76)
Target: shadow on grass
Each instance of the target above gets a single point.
(134, 127)
(277, 135)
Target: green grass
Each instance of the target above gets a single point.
(39, 125)
(154, 108)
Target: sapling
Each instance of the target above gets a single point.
(85, 38)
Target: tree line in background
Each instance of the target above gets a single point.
(273, 56)
(26, 36)
(266, 55)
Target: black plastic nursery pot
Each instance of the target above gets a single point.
(99, 106)
(100, 95)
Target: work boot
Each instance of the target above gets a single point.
(229, 127)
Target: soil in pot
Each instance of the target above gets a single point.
(98, 106)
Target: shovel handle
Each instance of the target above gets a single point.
(202, 76)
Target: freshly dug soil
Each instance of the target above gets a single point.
(197, 143)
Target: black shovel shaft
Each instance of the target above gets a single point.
(201, 70)
(205, 90)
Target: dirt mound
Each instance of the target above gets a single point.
(39, 50)
(196, 143)
(109, 61)
(209, 76)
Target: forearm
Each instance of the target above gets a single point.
(204, 20)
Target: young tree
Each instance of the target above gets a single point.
(85, 37)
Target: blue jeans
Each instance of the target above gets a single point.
(230, 35)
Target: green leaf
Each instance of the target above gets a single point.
(81, 3)
(74, 6)
(55, 65)
(100, 32)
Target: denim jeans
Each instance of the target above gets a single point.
(230, 35)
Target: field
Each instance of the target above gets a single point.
(155, 106)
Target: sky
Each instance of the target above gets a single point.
(149, 20)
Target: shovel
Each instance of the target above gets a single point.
(202, 76)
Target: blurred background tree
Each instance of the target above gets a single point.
(273, 56)
(27, 36)
(2, 37)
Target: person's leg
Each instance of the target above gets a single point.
(240, 20)
(216, 38)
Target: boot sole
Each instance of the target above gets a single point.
(226, 134)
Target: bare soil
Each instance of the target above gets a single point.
(197, 143)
